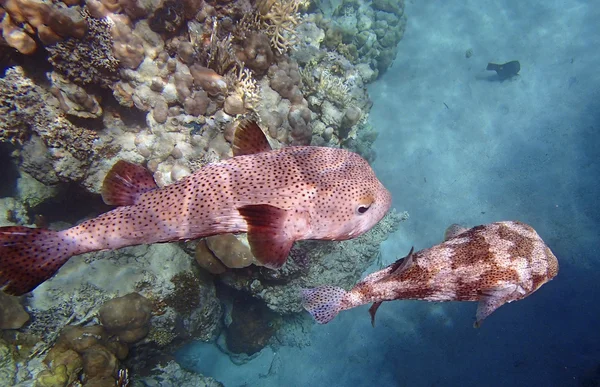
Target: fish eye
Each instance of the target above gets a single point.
(361, 209)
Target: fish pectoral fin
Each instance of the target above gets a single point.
(269, 241)
(491, 299)
(373, 310)
(125, 182)
(249, 139)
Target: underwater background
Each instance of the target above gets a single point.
(402, 83)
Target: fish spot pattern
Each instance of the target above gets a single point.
(324, 302)
(323, 184)
(35, 255)
(487, 257)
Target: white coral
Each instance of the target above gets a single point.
(279, 18)
(247, 89)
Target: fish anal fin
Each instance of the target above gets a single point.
(125, 182)
(269, 242)
(249, 139)
(491, 299)
(373, 310)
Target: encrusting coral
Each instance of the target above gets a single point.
(127, 317)
(54, 148)
(91, 354)
(12, 313)
(230, 250)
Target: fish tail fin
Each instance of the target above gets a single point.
(324, 302)
(29, 256)
(492, 67)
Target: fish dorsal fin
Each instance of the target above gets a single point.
(403, 263)
(125, 182)
(249, 139)
(453, 230)
(268, 239)
(396, 267)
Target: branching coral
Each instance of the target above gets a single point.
(214, 46)
(89, 59)
(333, 88)
(246, 92)
(279, 17)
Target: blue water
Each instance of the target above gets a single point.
(523, 149)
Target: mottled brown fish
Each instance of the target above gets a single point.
(276, 196)
(493, 264)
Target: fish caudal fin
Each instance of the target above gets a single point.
(125, 182)
(324, 302)
(493, 67)
(29, 256)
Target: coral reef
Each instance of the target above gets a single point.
(192, 69)
(365, 32)
(163, 83)
(252, 326)
(172, 374)
(92, 354)
(8, 367)
(54, 148)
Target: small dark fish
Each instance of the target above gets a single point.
(506, 70)
(493, 264)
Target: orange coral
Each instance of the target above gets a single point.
(50, 22)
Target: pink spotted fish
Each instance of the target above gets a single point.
(493, 264)
(276, 196)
